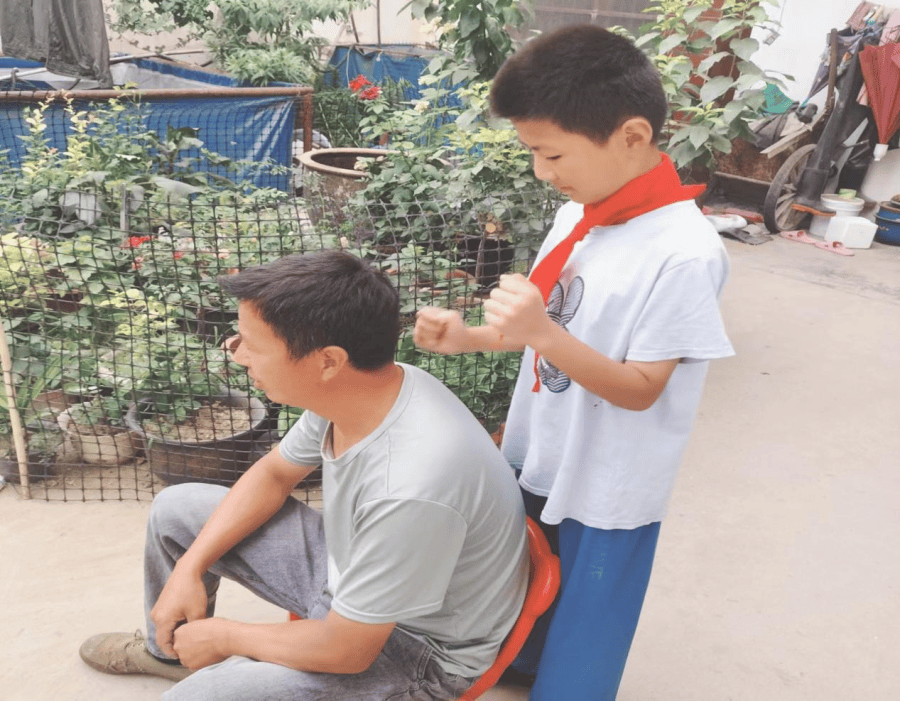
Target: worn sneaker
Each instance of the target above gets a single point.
(126, 653)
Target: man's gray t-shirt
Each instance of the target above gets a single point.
(424, 524)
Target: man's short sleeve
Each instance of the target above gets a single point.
(681, 318)
(302, 445)
(402, 555)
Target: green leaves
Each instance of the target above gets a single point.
(116, 249)
(257, 41)
(473, 33)
(42, 376)
(714, 88)
(716, 37)
(744, 48)
(176, 189)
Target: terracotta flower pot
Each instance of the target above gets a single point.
(336, 169)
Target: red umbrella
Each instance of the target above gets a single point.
(881, 70)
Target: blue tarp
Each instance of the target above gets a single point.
(257, 129)
(394, 63)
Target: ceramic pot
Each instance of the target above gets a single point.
(335, 168)
(220, 461)
(112, 448)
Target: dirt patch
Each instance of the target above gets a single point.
(97, 429)
(210, 422)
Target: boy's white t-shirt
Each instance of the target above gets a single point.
(646, 290)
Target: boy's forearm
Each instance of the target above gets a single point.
(486, 339)
(629, 385)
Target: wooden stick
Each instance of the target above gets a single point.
(15, 420)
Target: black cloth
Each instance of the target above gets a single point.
(67, 36)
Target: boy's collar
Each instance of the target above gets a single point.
(657, 187)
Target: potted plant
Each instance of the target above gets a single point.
(192, 425)
(95, 430)
(338, 173)
(40, 434)
(215, 444)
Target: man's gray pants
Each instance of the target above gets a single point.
(283, 562)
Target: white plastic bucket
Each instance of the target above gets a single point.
(844, 206)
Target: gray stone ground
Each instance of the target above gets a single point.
(778, 569)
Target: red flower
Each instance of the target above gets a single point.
(370, 93)
(136, 241)
(359, 82)
(178, 254)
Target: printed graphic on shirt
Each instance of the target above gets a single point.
(561, 307)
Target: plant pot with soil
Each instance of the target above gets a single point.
(96, 431)
(183, 407)
(215, 444)
(42, 447)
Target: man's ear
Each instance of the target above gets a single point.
(637, 131)
(332, 360)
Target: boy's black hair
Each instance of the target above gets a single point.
(329, 298)
(584, 79)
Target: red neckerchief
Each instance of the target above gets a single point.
(656, 188)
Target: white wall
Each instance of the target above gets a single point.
(384, 19)
(803, 36)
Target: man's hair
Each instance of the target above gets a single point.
(329, 298)
(584, 79)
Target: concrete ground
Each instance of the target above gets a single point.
(777, 571)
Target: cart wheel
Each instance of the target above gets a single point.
(777, 211)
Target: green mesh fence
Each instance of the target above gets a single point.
(116, 325)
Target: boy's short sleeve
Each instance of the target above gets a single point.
(681, 317)
(401, 559)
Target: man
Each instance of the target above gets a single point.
(414, 572)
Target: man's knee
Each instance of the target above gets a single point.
(189, 505)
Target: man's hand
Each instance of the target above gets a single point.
(201, 643)
(183, 599)
(440, 331)
(516, 310)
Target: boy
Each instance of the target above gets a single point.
(617, 320)
(414, 572)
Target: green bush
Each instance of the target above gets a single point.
(703, 124)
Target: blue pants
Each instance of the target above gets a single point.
(579, 647)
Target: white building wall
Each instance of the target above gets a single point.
(383, 22)
(802, 40)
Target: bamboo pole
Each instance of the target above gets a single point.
(15, 420)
